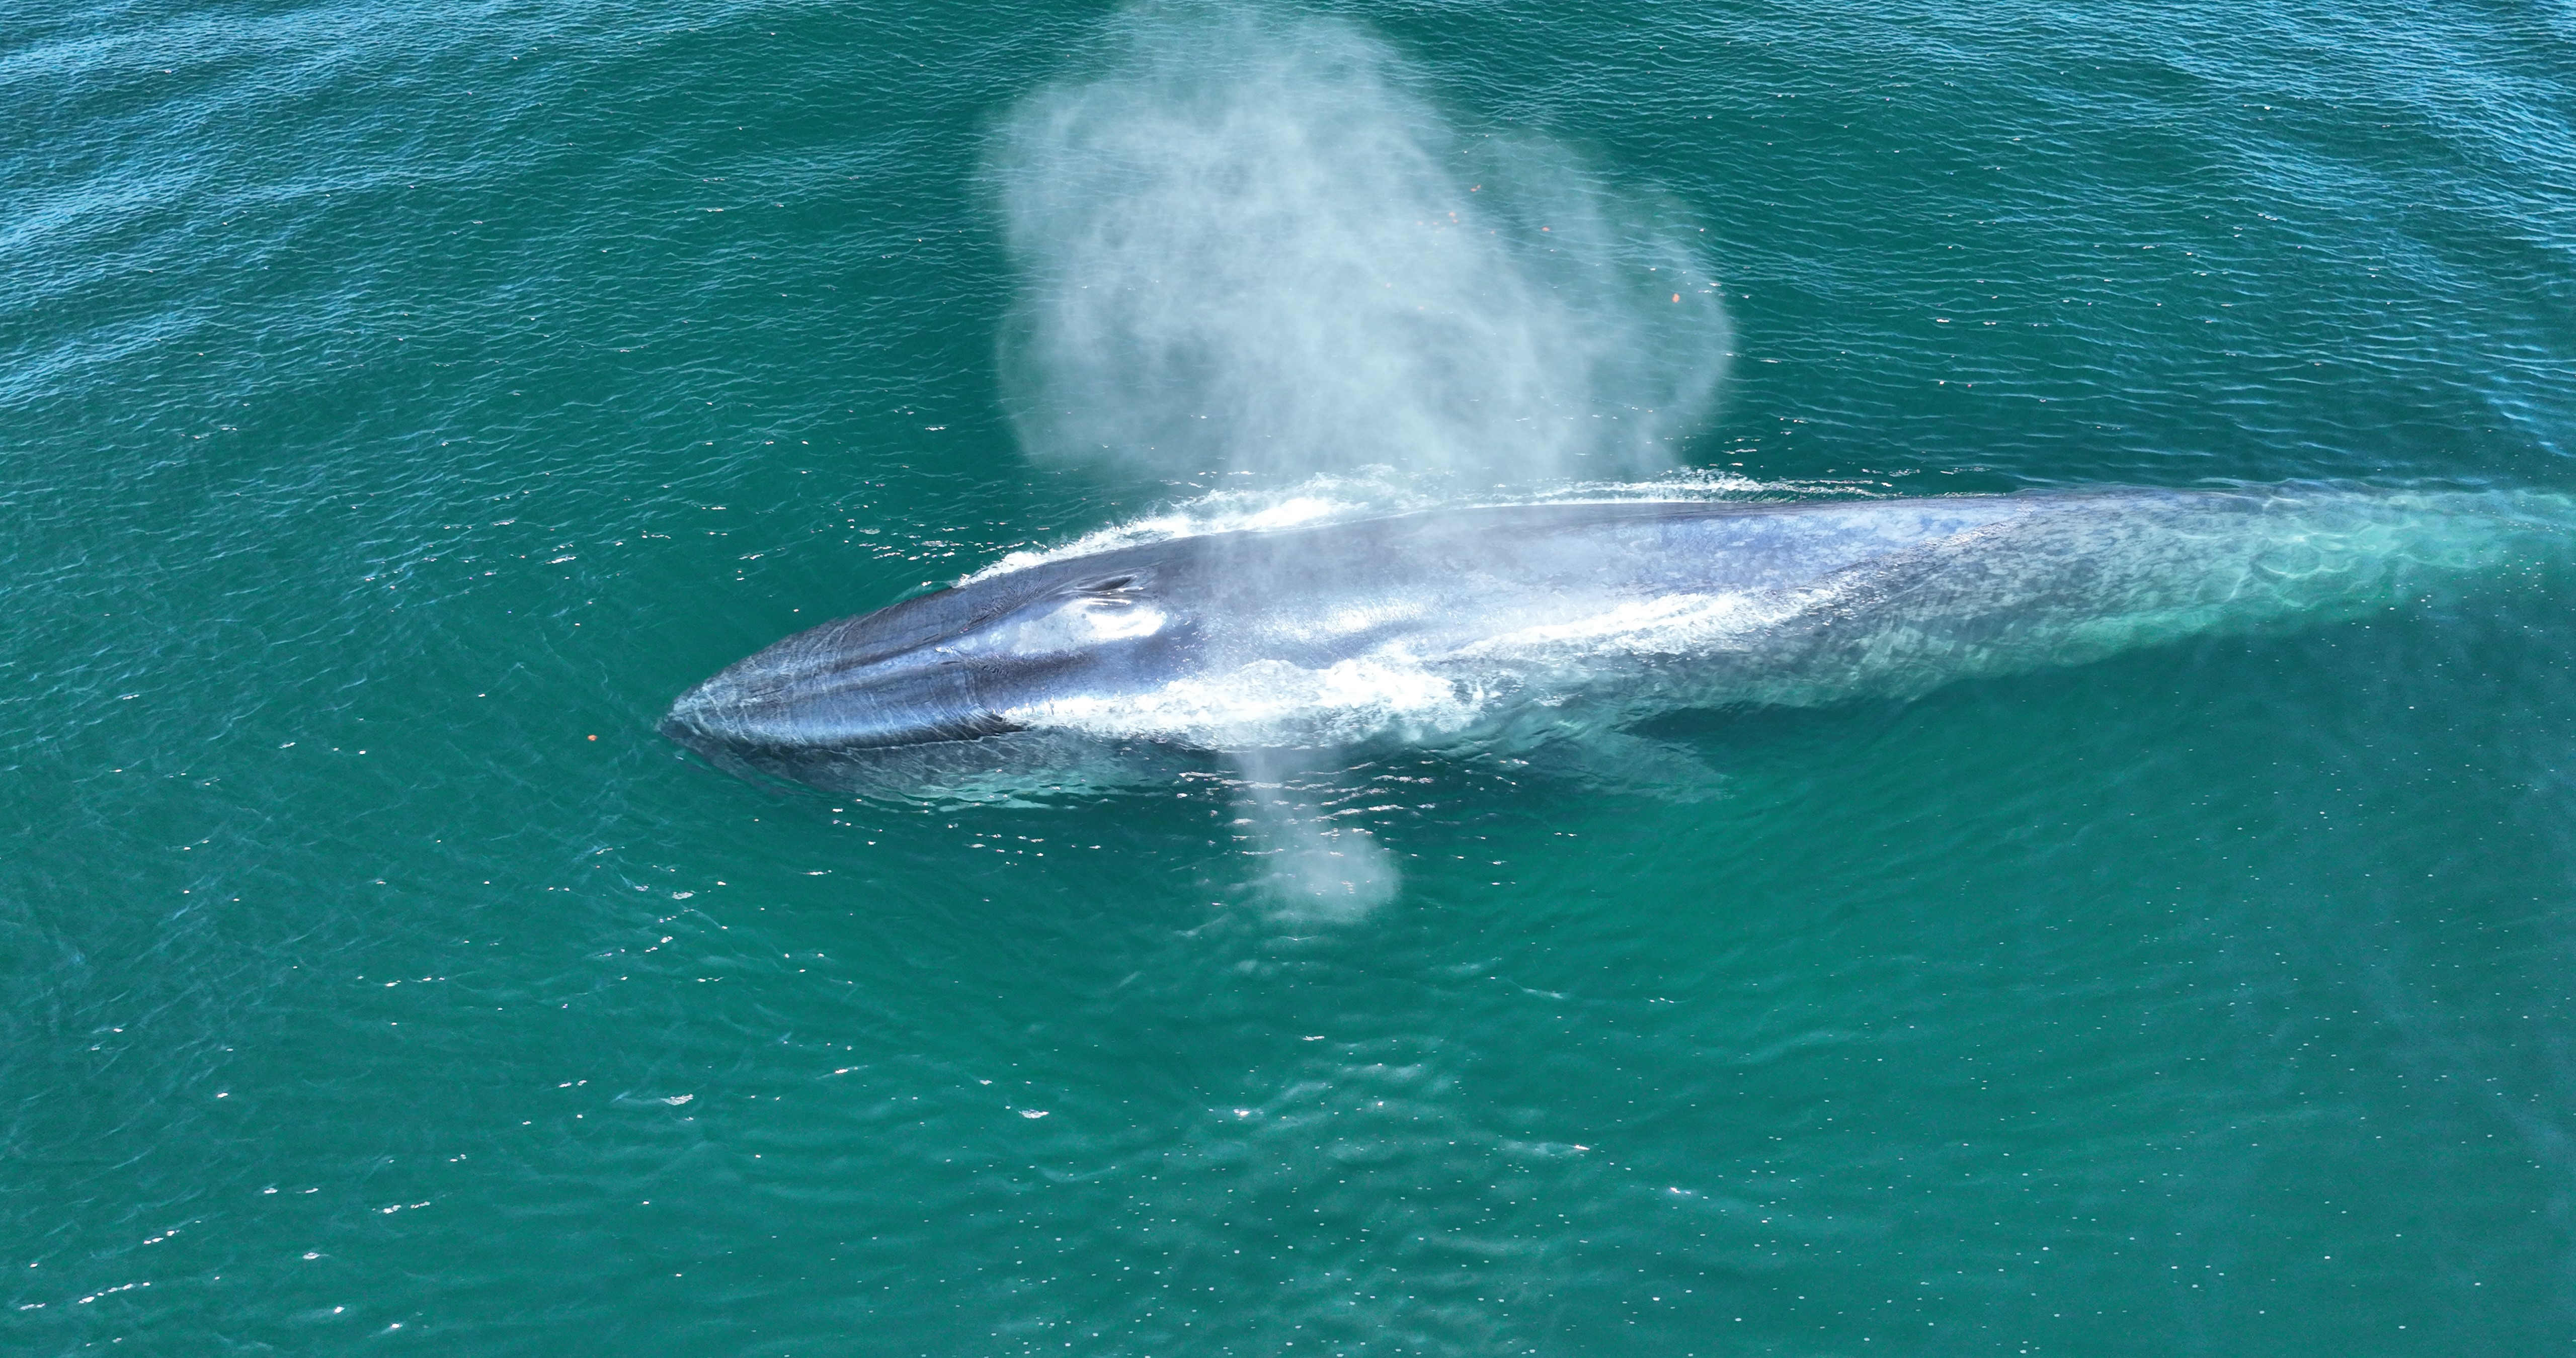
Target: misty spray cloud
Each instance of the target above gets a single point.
(1255, 244)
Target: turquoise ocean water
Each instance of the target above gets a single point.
(401, 406)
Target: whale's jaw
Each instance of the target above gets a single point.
(798, 696)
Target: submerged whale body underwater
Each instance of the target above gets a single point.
(1521, 625)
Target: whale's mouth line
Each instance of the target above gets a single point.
(828, 710)
(714, 740)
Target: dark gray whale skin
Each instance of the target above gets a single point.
(1459, 592)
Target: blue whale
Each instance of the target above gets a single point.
(1514, 621)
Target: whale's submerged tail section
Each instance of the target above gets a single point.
(2099, 575)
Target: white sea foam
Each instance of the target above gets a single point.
(1272, 704)
(1333, 497)
(1395, 694)
(1672, 624)
(1317, 500)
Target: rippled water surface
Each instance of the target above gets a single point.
(401, 405)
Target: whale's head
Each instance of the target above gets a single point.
(956, 665)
